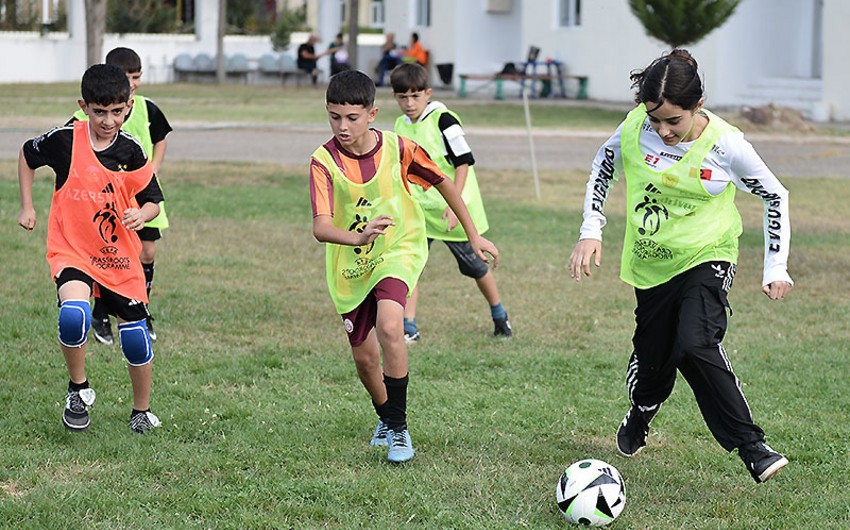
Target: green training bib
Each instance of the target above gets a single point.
(352, 272)
(427, 134)
(672, 222)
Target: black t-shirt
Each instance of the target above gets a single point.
(303, 62)
(158, 124)
(125, 153)
(457, 159)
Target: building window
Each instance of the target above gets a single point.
(376, 13)
(569, 13)
(423, 13)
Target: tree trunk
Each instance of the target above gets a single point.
(220, 72)
(353, 31)
(95, 28)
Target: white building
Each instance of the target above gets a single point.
(790, 52)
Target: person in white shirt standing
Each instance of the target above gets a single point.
(683, 165)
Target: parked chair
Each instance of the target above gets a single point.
(269, 64)
(183, 66)
(204, 64)
(237, 65)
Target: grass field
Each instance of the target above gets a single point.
(266, 425)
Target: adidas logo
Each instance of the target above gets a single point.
(363, 203)
(108, 189)
(651, 189)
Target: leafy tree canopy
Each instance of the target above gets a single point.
(681, 22)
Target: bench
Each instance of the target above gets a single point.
(553, 73)
(282, 65)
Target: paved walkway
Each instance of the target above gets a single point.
(803, 155)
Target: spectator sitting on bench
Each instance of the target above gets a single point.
(307, 57)
(415, 53)
(390, 58)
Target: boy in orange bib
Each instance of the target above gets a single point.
(105, 192)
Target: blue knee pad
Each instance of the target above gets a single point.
(135, 342)
(74, 322)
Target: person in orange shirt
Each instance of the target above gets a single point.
(374, 231)
(105, 191)
(415, 53)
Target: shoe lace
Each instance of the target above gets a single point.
(79, 401)
(381, 431)
(398, 438)
(144, 421)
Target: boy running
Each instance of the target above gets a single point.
(374, 232)
(105, 191)
(438, 130)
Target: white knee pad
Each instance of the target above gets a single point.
(74, 322)
(135, 342)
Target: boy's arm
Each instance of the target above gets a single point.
(26, 176)
(460, 181)
(479, 244)
(325, 232)
(158, 155)
(135, 218)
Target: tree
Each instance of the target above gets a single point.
(95, 28)
(680, 22)
(289, 21)
(353, 30)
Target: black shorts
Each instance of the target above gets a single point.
(117, 305)
(148, 233)
(468, 262)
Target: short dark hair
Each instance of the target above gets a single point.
(105, 84)
(673, 77)
(125, 59)
(409, 77)
(351, 87)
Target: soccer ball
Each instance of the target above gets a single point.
(591, 493)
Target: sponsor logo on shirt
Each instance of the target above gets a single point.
(671, 156)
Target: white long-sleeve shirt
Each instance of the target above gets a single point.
(731, 160)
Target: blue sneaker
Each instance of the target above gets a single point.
(401, 448)
(379, 438)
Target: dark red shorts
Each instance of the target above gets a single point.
(359, 322)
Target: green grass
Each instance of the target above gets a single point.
(289, 105)
(267, 426)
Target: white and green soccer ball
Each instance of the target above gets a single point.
(591, 493)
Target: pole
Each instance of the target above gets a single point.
(353, 31)
(220, 73)
(531, 144)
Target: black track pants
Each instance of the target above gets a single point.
(680, 325)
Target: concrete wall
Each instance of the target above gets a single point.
(764, 38)
(29, 57)
(836, 74)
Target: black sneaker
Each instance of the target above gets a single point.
(762, 462)
(151, 332)
(631, 436)
(502, 328)
(103, 331)
(142, 422)
(77, 405)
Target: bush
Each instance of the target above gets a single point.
(290, 21)
(141, 16)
